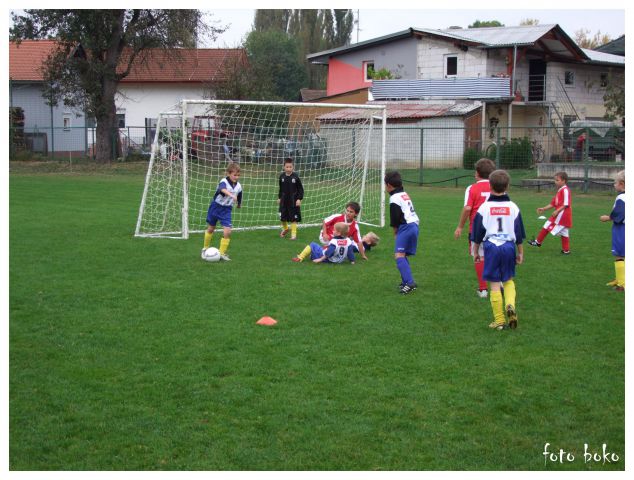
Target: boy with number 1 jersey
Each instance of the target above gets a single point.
(499, 228)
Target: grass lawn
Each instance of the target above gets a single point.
(134, 354)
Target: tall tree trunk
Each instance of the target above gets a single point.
(108, 147)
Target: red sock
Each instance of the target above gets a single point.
(479, 268)
(565, 243)
(542, 234)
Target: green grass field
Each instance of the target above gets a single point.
(133, 354)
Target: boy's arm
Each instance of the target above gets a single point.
(464, 214)
(351, 254)
(519, 258)
(547, 207)
(300, 192)
(239, 199)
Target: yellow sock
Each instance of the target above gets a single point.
(208, 237)
(284, 226)
(305, 252)
(224, 245)
(619, 268)
(509, 292)
(294, 229)
(497, 305)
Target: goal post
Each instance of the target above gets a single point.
(338, 152)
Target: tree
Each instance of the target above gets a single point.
(614, 97)
(585, 41)
(485, 23)
(275, 69)
(315, 30)
(529, 21)
(96, 50)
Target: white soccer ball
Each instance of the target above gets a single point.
(212, 254)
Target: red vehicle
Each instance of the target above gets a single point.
(208, 140)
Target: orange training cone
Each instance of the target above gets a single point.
(268, 321)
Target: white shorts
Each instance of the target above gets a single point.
(472, 249)
(556, 230)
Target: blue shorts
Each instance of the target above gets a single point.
(406, 239)
(218, 213)
(316, 251)
(499, 264)
(618, 240)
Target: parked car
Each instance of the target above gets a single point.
(605, 139)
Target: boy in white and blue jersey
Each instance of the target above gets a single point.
(617, 216)
(499, 228)
(338, 249)
(228, 193)
(404, 221)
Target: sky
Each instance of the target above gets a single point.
(376, 22)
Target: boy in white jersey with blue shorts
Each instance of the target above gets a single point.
(404, 221)
(499, 228)
(228, 193)
(338, 249)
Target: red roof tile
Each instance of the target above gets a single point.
(192, 65)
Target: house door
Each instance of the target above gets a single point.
(536, 81)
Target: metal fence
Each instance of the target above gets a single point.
(442, 156)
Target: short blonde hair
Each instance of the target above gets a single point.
(233, 168)
(373, 238)
(342, 229)
(620, 177)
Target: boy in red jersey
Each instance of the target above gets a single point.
(560, 221)
(475, 195)
(349, 217)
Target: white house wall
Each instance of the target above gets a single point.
(147, 101)
(431, 56)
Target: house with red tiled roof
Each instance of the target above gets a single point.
(161, 81)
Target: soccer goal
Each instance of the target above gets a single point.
(338, 152)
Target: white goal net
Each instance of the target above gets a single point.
(338, 152)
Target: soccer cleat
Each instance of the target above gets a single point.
(483, 293)
(512, 316)
(534, 243)
(619, 288)
(225, 257)
(408, 288)
(296, 259)
(293, 237)
(284, 232)
(498, 326)
(565, 252)
(613, 283)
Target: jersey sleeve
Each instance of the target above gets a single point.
(468, 200)
(618, 212)
(330, 251)
(520, 233)
(279, 191)
(300, 189)
(478, 232)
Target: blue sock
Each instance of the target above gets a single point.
(406, 272)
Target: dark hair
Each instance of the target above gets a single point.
(484, 167)
(562, 175)
(394, 179)
(288, 160)
(499, 181)
(354, 206)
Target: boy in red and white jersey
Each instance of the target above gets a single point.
(560, 221)
(348, 217)
(475, 195)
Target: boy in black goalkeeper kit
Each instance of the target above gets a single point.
(289, 197)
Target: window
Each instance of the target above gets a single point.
(604, 80)
(121, 119)
(368, 67)
(67, 121)
(569, 78)
(451, 69)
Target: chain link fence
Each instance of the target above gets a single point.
(438, 156)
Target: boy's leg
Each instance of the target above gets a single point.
(407, 281)
(224, 243)
(565, 244)
(542, 234)
(209, 235)
(293, 230)
(619, 268)
(509, 301)
(303, 254)
(497, 305)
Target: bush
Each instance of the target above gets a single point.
(516, 154)
(470, 157)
